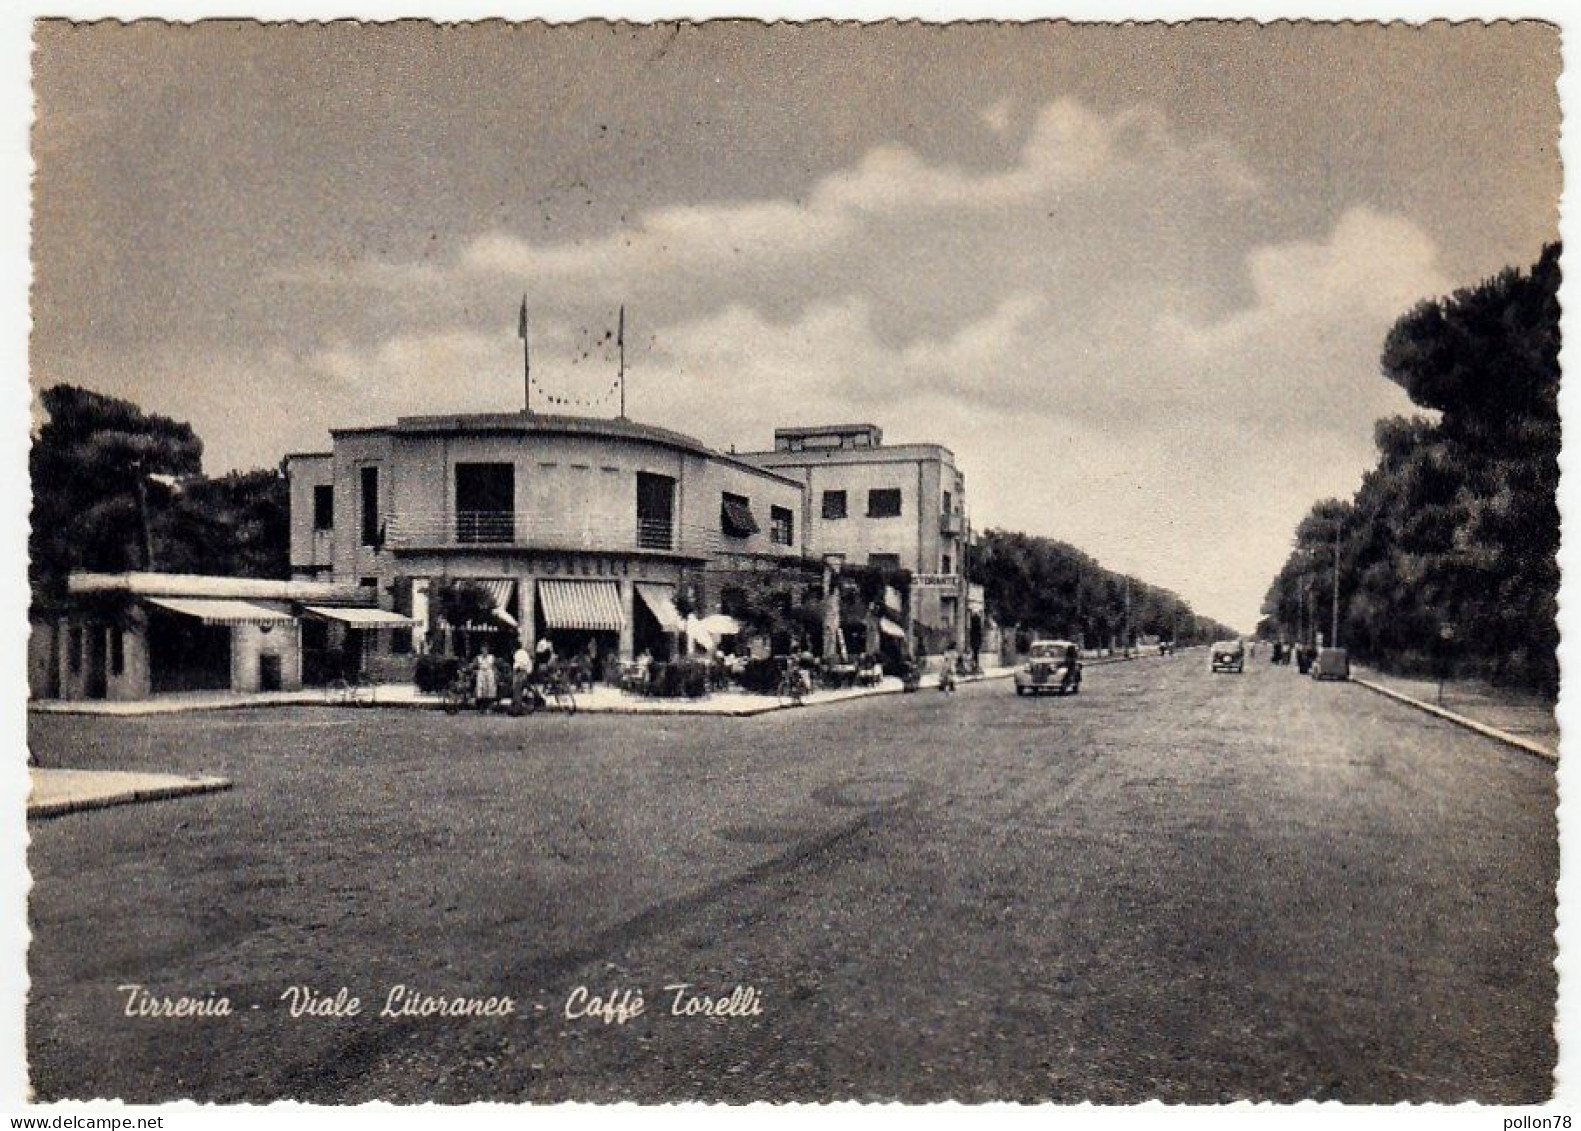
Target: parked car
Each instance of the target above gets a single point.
(1331, 663)
(1051, 665)
(1228, 656)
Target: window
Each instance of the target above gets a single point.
(735, 516)
(883, 561)
(400, 641)
(324, 507)
(945, 563)
(945, 509)
(370, 506)
(782, 526)
(368, 583)
(74, 648)
(834, 504)
(883, 502)
(655, 511)
(117, 650)
(485, 502)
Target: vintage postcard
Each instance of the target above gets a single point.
(725, 561)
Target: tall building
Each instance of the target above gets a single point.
(899, 505)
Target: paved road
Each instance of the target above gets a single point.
(1175, 885)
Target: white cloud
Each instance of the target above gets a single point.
(1104, 330)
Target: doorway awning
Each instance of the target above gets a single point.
(661, 603)
(500, 591)
(359, 617)
(228, 612)
(592, 606)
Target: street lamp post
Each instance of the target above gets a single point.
(1333, 638)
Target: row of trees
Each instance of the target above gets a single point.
(115, 488)
(1446, 554)
(1040, 586)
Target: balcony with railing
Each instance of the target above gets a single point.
(951, 523)
(490, 530)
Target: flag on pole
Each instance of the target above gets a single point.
(521, 326)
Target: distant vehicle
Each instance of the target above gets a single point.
(1228, 656)
(1052, 665)
(1331, 663)
(1166, 647)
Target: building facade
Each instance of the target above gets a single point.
(899, 506)
(128, 636)
(587, 532)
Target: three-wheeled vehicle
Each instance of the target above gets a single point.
(1051, 665)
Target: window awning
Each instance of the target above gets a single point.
(890, 628)
(736, 518)
(223, 611)
(360, 617)
(499, 590)
(660, 600)
(590, 605)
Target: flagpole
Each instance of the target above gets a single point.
(620, 339)
(526, 360)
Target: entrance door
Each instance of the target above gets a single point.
(97, 685)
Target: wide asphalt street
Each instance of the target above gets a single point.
(1176, 885)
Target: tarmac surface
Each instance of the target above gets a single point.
(1174, 886)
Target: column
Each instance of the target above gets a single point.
(527, 609)
(628, 593)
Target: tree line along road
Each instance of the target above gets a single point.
(1176, 885)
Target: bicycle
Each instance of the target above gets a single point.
(458, 694)
(792, 688)
(556, 695)
(359, 691)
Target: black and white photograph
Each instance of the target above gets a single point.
(723, 561)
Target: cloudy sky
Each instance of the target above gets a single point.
(1136, 278)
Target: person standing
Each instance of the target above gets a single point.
(947, 672)
(521, 677)
(485, 685)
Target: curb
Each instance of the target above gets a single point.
(737, 712)
(130, 797)
(1523, 744)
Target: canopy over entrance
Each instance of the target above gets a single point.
(359, 617)
(226, 612)
(661, 603)
(592, 606)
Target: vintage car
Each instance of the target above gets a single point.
(1331, 663)
(1228, 656)
(1051, 665)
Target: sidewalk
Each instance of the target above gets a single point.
(1524, 715)
(55, 792)
(601, 700)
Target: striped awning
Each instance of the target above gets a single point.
(589, 605)
(499, 590)
(660, 600)
(359, 616)
(223, 611)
